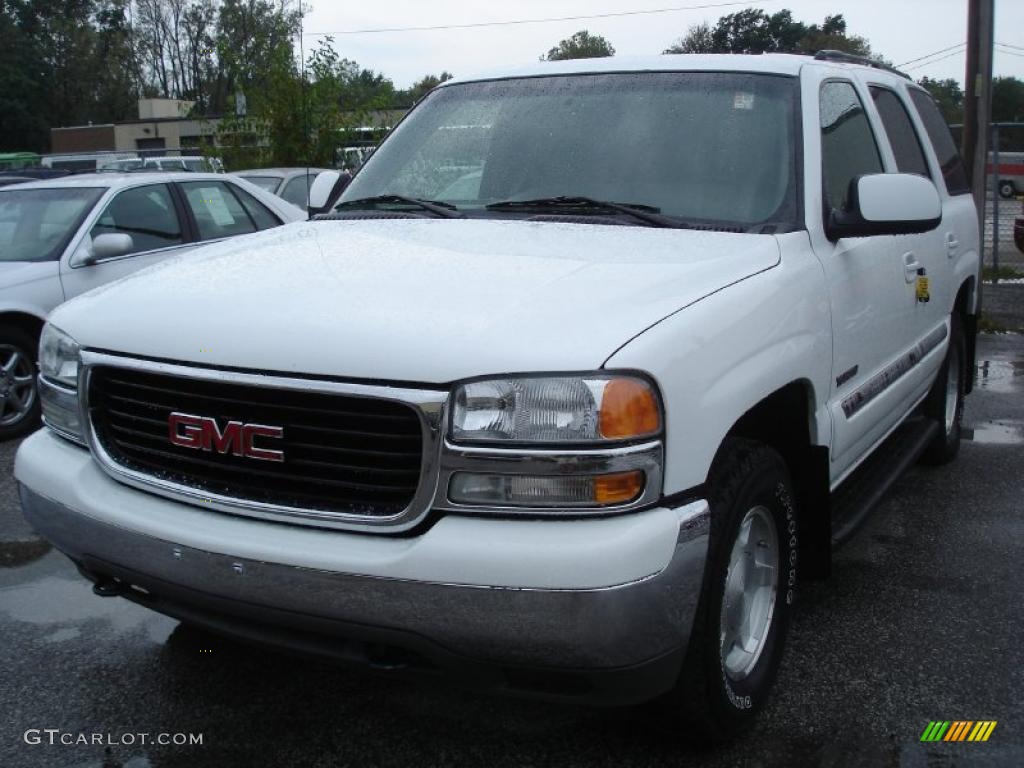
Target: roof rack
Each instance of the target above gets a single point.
(852, 58)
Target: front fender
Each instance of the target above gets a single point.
(720, 357)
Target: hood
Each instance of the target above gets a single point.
(413, 300)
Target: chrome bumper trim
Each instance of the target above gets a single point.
(609, 627)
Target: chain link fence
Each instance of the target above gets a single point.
(1004, 199)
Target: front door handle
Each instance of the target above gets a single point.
(910, 266)
(952, 244)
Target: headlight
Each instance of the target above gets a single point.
(562, 409)
(58, 357)
(58, 383)
(554, 445)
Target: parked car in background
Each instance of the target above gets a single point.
(197, 164)
(6, 181)
(1011, 173)
(82, 161)
(62, 237)
(12, 161)
(121, 165)
(291, 184)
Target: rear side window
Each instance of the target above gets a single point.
(942, 142)
(906, 146)
(848, 147)
(260, 213)
(217, 212)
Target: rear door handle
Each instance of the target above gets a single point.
(952, 244)
(910, 266)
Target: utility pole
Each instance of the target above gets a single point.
(978, 97)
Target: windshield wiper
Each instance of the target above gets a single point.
(444, 210)
(580, 205)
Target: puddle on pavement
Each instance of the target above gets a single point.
(1001, 375)
(17, 553)
(57, 603)
(997, 432)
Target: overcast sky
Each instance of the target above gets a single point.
(900, 30)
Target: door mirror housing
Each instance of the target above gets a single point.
(887, 204)
(109, 245)
(320, 190)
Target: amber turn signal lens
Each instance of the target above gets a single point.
(629, 409)
(618, 488)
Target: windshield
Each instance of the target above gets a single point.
(708, 147)
(36, 224)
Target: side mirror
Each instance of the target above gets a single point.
(887, 204)
(320, 190)
(110, 245)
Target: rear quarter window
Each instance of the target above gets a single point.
(953, 172)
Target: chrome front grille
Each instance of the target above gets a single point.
(351, 456)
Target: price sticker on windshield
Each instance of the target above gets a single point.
(743, 100)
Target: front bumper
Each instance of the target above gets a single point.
(599, 609)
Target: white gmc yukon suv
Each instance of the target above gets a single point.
(590, 365)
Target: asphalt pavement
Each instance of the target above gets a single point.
(920, 621)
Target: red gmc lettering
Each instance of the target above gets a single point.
(250, 431)
(203, 433)
(190, 434)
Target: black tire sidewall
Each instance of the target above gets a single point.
(759, 479)
(18, 338)
(947, 443)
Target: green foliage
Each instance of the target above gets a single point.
(1007, 100)
(420, 88)
(948, 96)
(299, 116)
(754, 31)
(582, 45)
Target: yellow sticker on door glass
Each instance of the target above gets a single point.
(922, 288)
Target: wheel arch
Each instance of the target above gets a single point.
(785, 420)
(23, 321)
(965, 305)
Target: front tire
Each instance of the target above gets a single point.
(747, 593)
(945, 403)
(19, 400)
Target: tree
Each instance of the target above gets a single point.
(754, 31)
(1007, 100)
(831, 35)
(698, 39)
(582, 45)
(948, 96)
(421, 88)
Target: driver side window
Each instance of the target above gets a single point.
(146, 214)
(848, 147)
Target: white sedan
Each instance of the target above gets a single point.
(62, 237)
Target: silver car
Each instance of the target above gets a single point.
(291, 184)
(62, 237)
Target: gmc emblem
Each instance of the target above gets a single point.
(201, 433)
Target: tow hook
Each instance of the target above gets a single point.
(107, 587)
